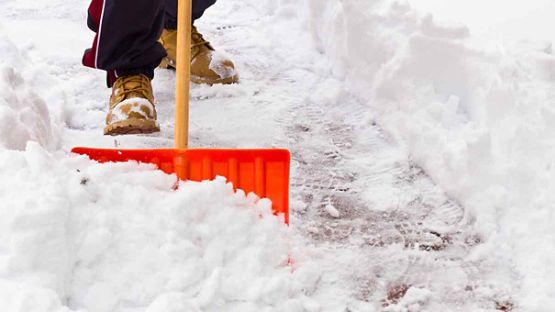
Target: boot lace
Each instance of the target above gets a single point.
(197, 40)
(131, 85)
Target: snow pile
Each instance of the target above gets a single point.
(24, 115)
(480, 122)
(118, 237)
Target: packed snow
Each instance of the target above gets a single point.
(422, 173)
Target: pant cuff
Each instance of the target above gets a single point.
(113, 75)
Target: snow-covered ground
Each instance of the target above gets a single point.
(473, 106)
(422, 175)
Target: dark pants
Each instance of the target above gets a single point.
(127, 32)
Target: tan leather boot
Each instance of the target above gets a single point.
(206, 65)
(131, 107)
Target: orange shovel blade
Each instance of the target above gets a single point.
(264, 172)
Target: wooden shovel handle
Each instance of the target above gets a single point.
(183, 74)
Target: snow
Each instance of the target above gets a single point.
(23, 114)
(422, 173)
(133, 105)
(476, 118)
(216, 65)
(333, 211)
(496, 19)
(118, 237)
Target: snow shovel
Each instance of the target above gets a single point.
(264, 172)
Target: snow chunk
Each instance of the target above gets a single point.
(413, 300)
(24, 115)
(217, 65)
(24, 298)
(332, 211)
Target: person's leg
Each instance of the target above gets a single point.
(199, 6)
(126, 46)
(127, 33)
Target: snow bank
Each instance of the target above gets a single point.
(479, 122)
(118, 237)
(24, 115)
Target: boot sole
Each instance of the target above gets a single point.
(132, 126)
(225, 81)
